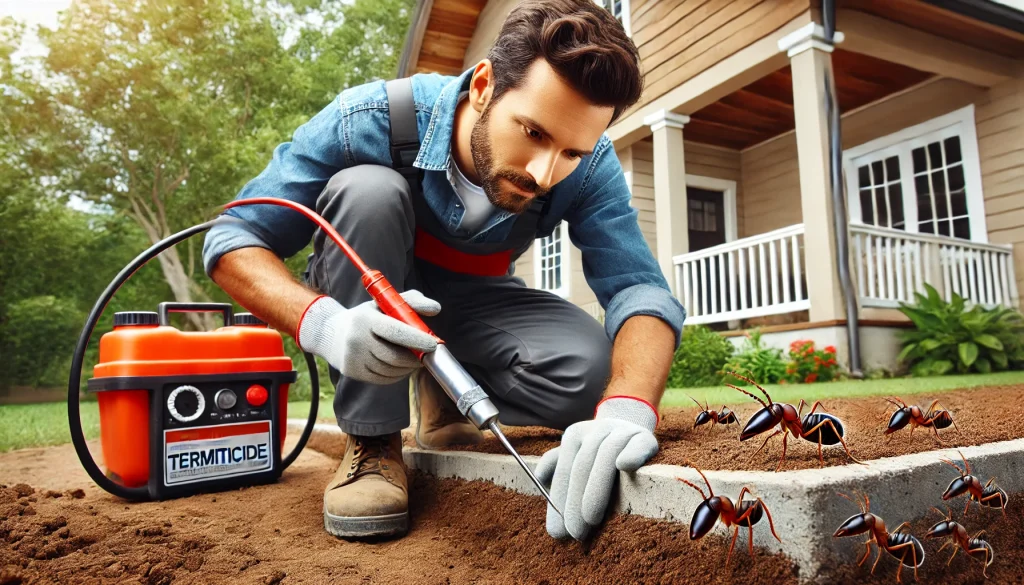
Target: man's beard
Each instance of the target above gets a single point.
(490, 179)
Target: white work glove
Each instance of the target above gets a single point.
(581, 472)
(363, 343)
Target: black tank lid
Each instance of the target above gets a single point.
(135, 318)
(248, 319)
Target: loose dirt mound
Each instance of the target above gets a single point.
(983, 415)
(461, 532)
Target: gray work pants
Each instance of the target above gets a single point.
(542, 360)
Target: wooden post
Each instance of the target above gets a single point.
(671, 221)
(811, 62)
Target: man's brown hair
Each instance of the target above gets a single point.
(581, 41)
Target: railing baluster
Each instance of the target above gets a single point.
(920, 255)
(774, 272)
(705, 285)
(798, 285)
(858, 262)
(945, 261)
(751, 255)
(897, 260)
(733, 305)
(888, 270)
(762, 265)
(744, 301)
(993, 261)
(972, 276)
(870, 261)
(784, 260)
(985, 269)
(713, 282)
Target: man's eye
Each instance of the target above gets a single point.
(572, 155)
(532, 133)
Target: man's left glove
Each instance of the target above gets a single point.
(580, 473)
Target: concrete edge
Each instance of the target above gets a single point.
(901, 488)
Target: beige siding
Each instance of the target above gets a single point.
(1000, 119)
(678, 39)
(487, 28)
(770, 186)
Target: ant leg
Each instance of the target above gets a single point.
(765, 443)
(800, 408)
(784, 437)
(897, 529)
(836, 431)
(735, 533)
(815, 407)
(771, 523)
(867, 553)
(820, 458)
(878, 558)
(967, 506)
(985, 563)
(750, 540)
(956, 549)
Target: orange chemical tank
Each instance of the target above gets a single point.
(187, 411)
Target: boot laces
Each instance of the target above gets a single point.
(368, 455)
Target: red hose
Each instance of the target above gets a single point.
(387, 298)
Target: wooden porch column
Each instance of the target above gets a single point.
(670, 219)
(810, 61)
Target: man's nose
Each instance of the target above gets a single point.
(542, 169)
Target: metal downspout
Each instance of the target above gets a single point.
(839, 201)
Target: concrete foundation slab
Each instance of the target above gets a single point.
(804, 504)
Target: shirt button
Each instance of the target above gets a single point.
(458, 206)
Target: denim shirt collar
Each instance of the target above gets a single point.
(436, 144)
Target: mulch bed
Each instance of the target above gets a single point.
(983, 415)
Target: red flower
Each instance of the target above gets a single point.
(830, 349)
(810, 378)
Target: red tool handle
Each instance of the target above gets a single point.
(384, 294)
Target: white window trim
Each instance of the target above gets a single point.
(960, 122)
(728, 189)
(627, 22)
(564, 266)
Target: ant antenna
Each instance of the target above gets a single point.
(953, 465)
(695, 401)
(749, 381)
(966, 464)
(694, 487)
(859, 506)
(747, 393)
(697, 469)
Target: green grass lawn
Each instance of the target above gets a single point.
(36, 425)
(717, 396)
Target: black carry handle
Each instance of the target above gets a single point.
(165, 309)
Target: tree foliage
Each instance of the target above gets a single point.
(147, 115)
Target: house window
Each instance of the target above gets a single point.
(924, 179)
(551, 261)
(619, 9)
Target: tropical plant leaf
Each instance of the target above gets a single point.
(989, 341)
(968, 353)
(983, 365)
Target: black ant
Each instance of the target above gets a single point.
(821, 427)
(733, 514)
(989, 495)
(891, 542)
(958, 537)
(918, 417)
(725, 417)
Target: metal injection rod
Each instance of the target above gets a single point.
(473, 402)
(468, 396)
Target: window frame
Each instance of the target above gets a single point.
(566, 271)
(902, 143)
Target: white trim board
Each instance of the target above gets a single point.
(728, 189)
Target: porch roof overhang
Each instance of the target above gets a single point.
(439, 35)
(887, 43)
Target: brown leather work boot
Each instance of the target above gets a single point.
(440, 422)
(369, 495)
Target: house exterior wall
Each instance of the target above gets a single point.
(770, 174)
(679, 39)
(487, 28)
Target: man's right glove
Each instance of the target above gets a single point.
(363, 343)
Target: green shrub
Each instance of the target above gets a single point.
(37, 338)
(764, 365)
(947, 337)
(699, 358)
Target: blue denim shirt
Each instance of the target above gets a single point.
(354, 129)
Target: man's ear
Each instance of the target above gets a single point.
(481, 85)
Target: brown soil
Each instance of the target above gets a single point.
(983, 415)
(66, 530)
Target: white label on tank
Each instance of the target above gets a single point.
(215, 452)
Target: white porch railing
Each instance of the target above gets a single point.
(752, 277)
(892, 264)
